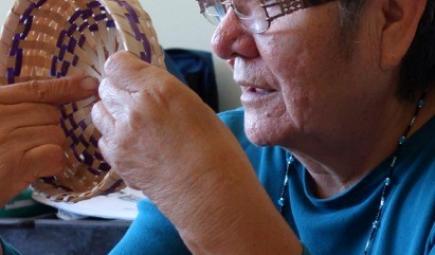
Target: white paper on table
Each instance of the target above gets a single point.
(119, 205)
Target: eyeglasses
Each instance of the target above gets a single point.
(255, 15)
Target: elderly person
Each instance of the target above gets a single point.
(339, 96)
(343, 88)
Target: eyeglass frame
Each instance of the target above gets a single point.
(286, 7)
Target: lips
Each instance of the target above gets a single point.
(257, 96)
(260, 91)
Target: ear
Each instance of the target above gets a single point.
(401, 22)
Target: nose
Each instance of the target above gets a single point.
(231, 39)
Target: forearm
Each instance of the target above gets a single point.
(230, 214)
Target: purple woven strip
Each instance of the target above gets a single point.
(110, 23)
(74, 139)
(94, 4)
(15, 45)
(132, 16)
(75, 60)
(51, 181)
(72, 45)
(94, 142)
(83, 125)
(113, 187)
(98, 156)
(11, 75)
(86, 14)
(100, 17)
(143, 55)
(27, 26)
(27, 13)
(63, 112)
(73, 123)
(104, 167)
(87, 158)
(75, 16)
(62, 51)
(40, 3)
(93, 171)
(18, 62)
(61, 38)
(83, 26)
(83, 141)
(137, 32)
(72, 29)
(134, 24)
(77, 156)
(93, 27)
(65, 68)
(82, 40)
(53, 66)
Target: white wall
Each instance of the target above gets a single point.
(179, 24)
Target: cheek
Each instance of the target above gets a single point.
(295, 74)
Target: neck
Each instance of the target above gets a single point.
(342, 162)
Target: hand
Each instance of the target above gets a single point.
(31, 140)
(156, 132)
(161, 138)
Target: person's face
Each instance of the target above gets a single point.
(298, 79)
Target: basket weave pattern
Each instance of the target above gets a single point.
(44, 39)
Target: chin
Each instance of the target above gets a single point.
(260, 136)
(267, 130)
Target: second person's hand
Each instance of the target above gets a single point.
(31, 141)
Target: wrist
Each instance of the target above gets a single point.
(230, 214)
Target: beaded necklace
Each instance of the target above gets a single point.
(387, 182)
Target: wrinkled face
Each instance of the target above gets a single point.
(297, 79)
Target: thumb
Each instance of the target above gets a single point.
(55, 91)
(130, 73)
(123, 62)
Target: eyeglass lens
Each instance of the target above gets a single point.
(250, 13)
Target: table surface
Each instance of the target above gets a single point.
(50, 236)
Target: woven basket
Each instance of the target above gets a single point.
(44, 39)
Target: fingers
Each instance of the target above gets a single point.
(128, 71)
(44, 160)
(30, 137)
(105, 151)
(124, 62)
(102, 119)
(114, 99)
(56, 91)
(28, 114)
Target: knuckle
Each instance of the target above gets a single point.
(40, 89)
(123, 62)
(47, 90)
(135, 118)
(96, 112)
(104, 88)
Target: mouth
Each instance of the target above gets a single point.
(255, 96)
(259, 91)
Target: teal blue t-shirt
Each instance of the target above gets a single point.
(335, 226)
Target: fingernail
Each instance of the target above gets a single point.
(89, 83)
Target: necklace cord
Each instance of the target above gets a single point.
(387, 182)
